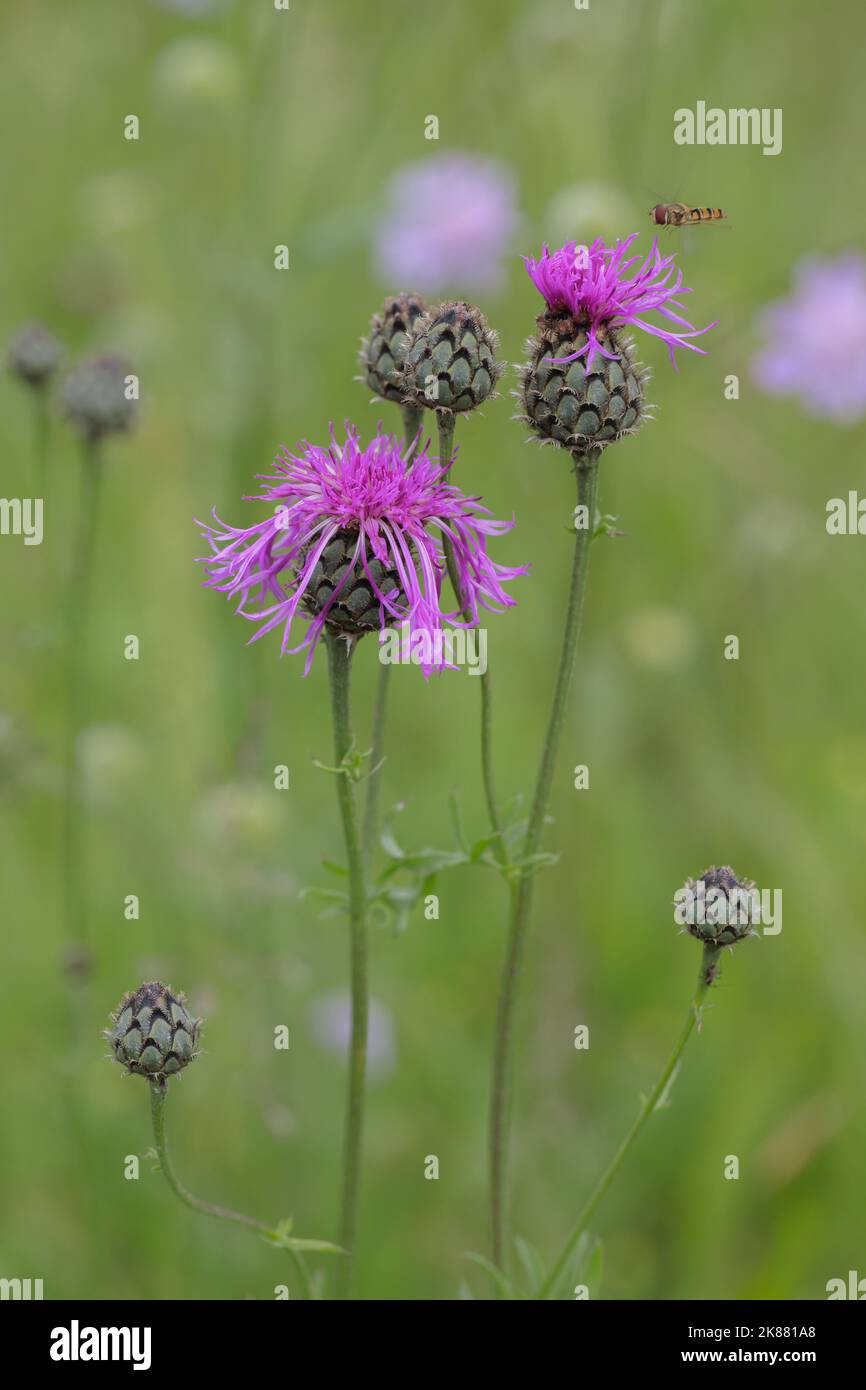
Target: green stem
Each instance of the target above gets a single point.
(42, 435)
(445, 423)
(78, 631)
(377, 754)
(339, 665)
(586, 469)
(706, 976)
(158, 1092)
(412, 417)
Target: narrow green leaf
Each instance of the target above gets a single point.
(457, 822)
(531, 1261)
(333, 867)
(490, 1268)
(594, 1269)
(320, 1247)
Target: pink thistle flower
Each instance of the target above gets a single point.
(590, 284)
(381, 503)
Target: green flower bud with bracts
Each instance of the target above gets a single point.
(34, 355)
(153, 1034)
(356, 609)
(450, 362)
(717, 908)
(567, 402)
(95, 397)
(382, 353)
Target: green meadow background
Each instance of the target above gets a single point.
(260, 128)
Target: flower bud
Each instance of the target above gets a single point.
(153, 1034)
(449, 363)
(723, 910)
(95, 399)
(383, 352)
(34, 355)
(578, 409)
(356, 609)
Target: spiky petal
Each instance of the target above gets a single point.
(590, 284)
(395, 502)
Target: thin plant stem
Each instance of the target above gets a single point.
(412, 417)
(586, 469)
(339, 666)
(78, 633)
(157, 1110)
(445, 421)
(41, 434)
(377, 756)
(656, 1097)
(445, 424)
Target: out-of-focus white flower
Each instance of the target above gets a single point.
(111, 760)
(661, 639)
(197, 70)
(116, 202)
(241, 816)
(772, 528)
(584, 211)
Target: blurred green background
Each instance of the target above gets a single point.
(259, 128)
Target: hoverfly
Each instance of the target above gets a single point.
(681, 215)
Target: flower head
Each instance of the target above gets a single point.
(449, 361)
(384, 349)
(352, 543)
(589, 284)
(816, 339)
(152, 1033)
(95, 398)
(34, 355)
(718, 908)
(448, 223)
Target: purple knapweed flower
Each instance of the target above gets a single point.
(589, 283)
(349, 543)
(816, 339)
(448, 223)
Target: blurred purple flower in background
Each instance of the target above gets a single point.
(448, 223)
(193, 9)
(816, 339)
(331, 1023)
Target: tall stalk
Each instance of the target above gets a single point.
(706, 976)
(78, 632)
(586, 469)
(377, 755)
(41, 435)
(339, 667)
(412, 417)
(445, 421)
(158, 1091)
